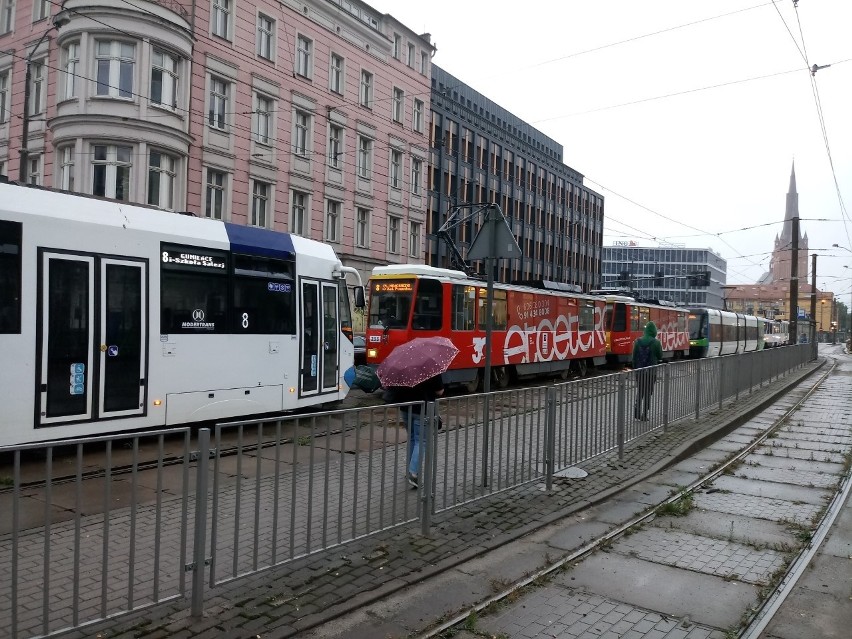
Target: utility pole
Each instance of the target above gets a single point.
(794, 281)
(813, 303)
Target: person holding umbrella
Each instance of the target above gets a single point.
(412, 373)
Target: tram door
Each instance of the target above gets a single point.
(319, 370)
(92, 338)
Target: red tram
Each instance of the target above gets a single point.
(535, 331)
(625, 322)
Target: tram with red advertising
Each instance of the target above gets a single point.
(625, 320)
(536, 332)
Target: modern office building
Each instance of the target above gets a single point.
(481, 153)
(684, 276)
(308, 117)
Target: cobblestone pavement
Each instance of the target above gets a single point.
(309, 592)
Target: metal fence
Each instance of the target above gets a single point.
(109, 525)
(93, 531)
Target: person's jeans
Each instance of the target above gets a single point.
(414, 445)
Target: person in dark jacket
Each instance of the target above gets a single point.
(427, 391)
(647, 353)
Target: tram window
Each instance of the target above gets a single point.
(500, 310)
(10, 277)
(345, 310)
(263, 297)
(428, 306)
(618, 313)
(587, 317)
(193, 290)
(634, 319)
(464, 306)
(390, 303)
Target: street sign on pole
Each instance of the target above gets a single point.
(494, 240)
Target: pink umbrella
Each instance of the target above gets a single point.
(416, 361)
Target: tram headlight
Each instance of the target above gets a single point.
(158, 402)
(372, 353)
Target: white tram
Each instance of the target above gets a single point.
(116, 317)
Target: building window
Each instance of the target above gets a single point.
(265, 36)
(259, 203)
(263, 120)
(336, 74)
(362, 228)
(41, 10)
(7, 15)
(301, 134)
(111, 171)
(396, 168)
(424, 62)
(367, 89)
(37, 88)
(332, 221)
(298, 219)
(398, 102)
(221, 20)
(34, 170)
(164, 79)
(218, 103)
(71, 62)
(418, 116)
(335, 146)
(393, 234)
(115, 68)
(4, 96)
(397, 45)
(303, 57)
(365, 157)
(161, 180)
(66, 168)
(416, 175)
(411, 55)
(414, 239)
(214, 201)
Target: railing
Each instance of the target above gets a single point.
(121, 546)
(126, 531)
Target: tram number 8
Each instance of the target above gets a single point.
(245, 321)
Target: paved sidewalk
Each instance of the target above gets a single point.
(308, 593)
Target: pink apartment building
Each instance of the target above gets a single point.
(308, 117)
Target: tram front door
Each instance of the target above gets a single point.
(320, 338)
(92, 328)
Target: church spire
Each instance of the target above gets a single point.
(792, 210)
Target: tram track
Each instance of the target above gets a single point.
(681, 498)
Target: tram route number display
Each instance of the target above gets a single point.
(393, 287)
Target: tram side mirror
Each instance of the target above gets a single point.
(358, 292)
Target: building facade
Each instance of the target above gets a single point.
(481, 153)
(666, 273)
(307, 117)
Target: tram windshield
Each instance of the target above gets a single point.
(390, 303)
(697, 326)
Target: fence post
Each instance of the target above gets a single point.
(666, 382)
(428, 446)
(549, 435)
(200, 530)
(721, 381)
(697, 388)
(622, 408)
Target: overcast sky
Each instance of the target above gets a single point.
(685, 114)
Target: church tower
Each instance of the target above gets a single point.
(779, 264)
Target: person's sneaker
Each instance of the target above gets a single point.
(412, 480)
